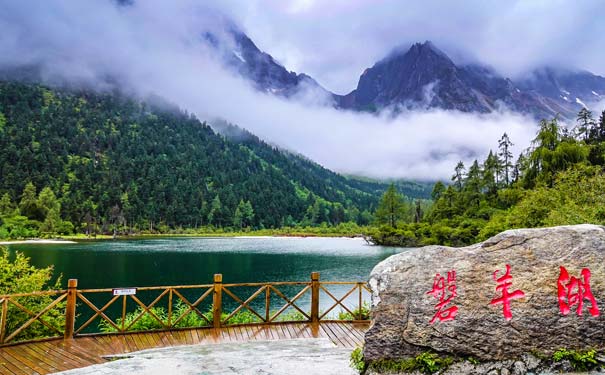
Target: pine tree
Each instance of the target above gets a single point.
(6, 206)
(390, 209)
(237, 216)
(458, 175)
(247, 214)
(585, 124)
(47, 201)
(506, 156)
(28, 206)
(438, 190)
(214, 216)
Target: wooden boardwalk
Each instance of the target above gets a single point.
(50, 356)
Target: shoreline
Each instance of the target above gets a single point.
(37, 241)
(76, 239)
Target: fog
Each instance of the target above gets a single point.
(156, 47)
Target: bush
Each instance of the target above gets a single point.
(580, 360)
(18, 276)
(364, 311)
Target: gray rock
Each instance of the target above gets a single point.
(402, 309)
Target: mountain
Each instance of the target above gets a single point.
(425, 77)
(242, 56)
(111, 159)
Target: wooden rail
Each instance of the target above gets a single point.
(70, 313)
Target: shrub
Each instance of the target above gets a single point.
(19, 276)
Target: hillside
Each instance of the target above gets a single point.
(116, 162)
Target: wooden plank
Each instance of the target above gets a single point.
(23, 361)
(356, 333)
(345, 334)
(41, 360)
(12, 364)
(71, 346)
(61, 356)
(331, 335)
(54, 360)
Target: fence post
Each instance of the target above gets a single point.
(3, 320)
(217, 300)
(314, 297)
(70, 308)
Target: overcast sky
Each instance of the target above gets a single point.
(154, 47)
(335, 40)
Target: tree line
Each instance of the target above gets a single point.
(553, 182)
(84, 162)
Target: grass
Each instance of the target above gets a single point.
(426, 363)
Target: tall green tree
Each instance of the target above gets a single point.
(585, 124)
(7, 208)
(438, 190)
(506, 156)
(391, 207)
(28, 206)
(458, 176)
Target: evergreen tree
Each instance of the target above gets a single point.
(247, 214)
(458, 175)
(438, 190)
(506, 156)
(491, 170)
(47, 201)
(214, 216)
(238, 216)
(28, 206)
(390, 209)
(585, 124)
(6, 206)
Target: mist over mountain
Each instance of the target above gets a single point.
(420, 78)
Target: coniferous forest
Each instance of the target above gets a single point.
(82, 162)
(558, 180)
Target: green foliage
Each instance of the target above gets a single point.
(362, 313)
(356, 361)
(559, 180)
(19, 276)
(109, 164)
(580, 360)
(426, 363)
(147, 321)
(391, 208)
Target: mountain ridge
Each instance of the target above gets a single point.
(424, 77)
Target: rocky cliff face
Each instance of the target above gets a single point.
(242, 56)
(522, 291)
(420, 78)
(424, 77)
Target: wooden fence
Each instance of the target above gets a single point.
(71, 312)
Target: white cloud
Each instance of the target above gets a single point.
(334, 41)
(154, 47)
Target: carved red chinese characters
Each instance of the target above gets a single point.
(573, 291)
(504, 283)
(439, 291)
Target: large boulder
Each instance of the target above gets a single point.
(553, 275)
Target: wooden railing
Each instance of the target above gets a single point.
(71, 312)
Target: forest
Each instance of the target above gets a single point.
(558, 180)
(75, 161)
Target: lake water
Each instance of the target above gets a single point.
(179, 261)
(183, 261)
